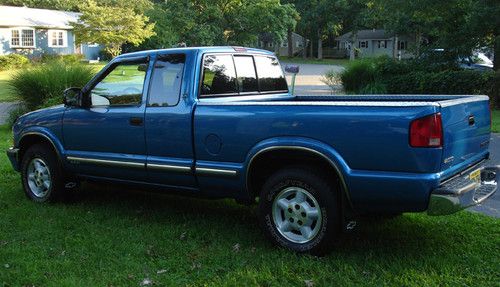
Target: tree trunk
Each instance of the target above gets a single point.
(304, 47)
(395, 48)
(320, 46)
(354, 38)
(418, 39)
(290, 42)
(311, 47)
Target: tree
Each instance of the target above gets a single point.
(458, 26)
(111, 26)
(228, 22)
(74, 5)
(322, 18)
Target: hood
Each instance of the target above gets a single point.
(47, 117)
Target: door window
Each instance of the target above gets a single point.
(123, 85)
(166, 81)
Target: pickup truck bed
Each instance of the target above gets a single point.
(366, 135)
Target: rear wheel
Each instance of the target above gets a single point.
(299, 210)
(41, 174)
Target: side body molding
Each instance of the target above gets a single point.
(315, 147)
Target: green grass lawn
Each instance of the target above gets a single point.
(495, 121)
(300, 60)
(112, 237)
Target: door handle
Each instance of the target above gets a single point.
(135, 121)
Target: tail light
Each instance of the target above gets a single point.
(427, 131)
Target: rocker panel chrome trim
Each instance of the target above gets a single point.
(169, 167)
(105, 162)
(215, 171)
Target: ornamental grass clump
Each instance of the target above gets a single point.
(45, 83)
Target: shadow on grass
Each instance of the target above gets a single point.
(408, 237)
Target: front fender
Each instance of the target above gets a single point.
(43, 132)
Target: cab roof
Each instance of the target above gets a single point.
(214, 49)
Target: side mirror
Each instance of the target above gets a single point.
(72, 97)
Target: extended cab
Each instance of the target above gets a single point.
(220, 122)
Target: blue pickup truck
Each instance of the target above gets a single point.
(220, 122)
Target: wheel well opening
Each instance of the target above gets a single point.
(30, 140)
(266, 163)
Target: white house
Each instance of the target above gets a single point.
(40, 31)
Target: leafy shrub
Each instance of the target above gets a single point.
(494, 92)
(105, 56)
(373, 88)
(13, 61)
(332, 80)
(358, 74)
(67, 59)
(43, 82)
(444, 82)
(386, 75)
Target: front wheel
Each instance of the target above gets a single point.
(41, 174)
(300, 210)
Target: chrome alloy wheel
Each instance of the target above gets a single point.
(296, 214)
(39, 180)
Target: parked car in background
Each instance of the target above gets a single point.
(219, 122)
(478, 61)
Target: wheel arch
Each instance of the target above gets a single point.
(305, 150)
(30, 138)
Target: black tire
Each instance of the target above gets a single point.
(317, 186)
(56, 189)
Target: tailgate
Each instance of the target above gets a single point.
(466, 128)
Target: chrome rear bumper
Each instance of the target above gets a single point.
(462, 191)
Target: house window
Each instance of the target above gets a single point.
(363, 44)
(22, 38)
(402, 45)
(58, 38)
(382, 44)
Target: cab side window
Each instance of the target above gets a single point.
(123, 85)
(219, 76)
(270, 74)
(245, 69)
(166, 81)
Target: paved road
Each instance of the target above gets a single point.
(308, 81)
(492, 205)
(4, 111)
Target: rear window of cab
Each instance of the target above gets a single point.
(233, 75)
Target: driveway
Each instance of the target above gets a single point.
(491, 206)
(308, 80)
(5, 108)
